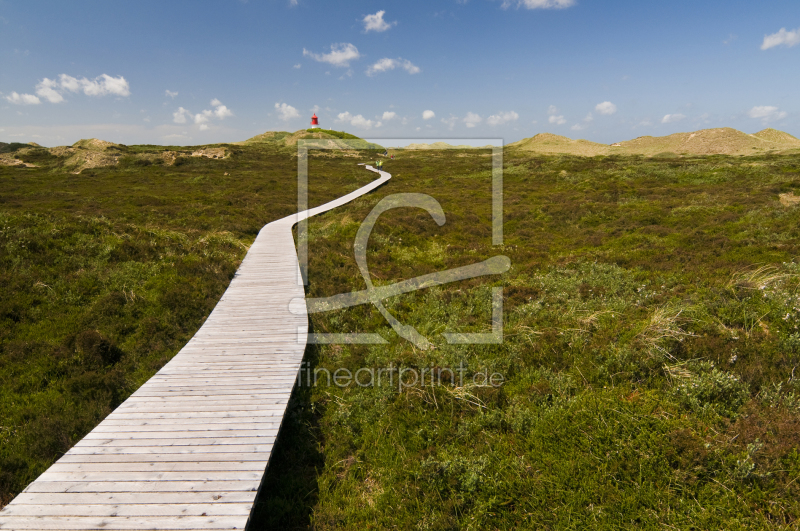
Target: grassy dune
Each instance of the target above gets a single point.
(720, 141)
(650, 351)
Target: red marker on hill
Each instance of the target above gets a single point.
(314, 121)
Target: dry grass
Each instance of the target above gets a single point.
(663, 327)
(719, 141)
(758, 278)
(789, 199)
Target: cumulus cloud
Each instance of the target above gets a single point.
(502, 117)
(100, 86)
(181, 115)
(23, 99)
(53, 90)
(340, 55)
(376, 23)
(579, 127)
(48, 89)
(472, 119)
(538, 4)
(766, 113)
(386, 64)
(220, 112)
(298, 66)
(557, 119)
(427, 115)
(450, 122)
(672, 118)
(781, 38)
(356, 121)
(170, 93)
(286, 112)
(606, 107)
(388, 115)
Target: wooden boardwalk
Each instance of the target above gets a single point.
(188, 449)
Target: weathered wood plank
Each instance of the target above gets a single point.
(139, 509)
(123, 522)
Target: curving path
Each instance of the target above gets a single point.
(189, 448)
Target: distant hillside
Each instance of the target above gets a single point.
(328, 139)
(720, 141)
(95, 153)
(441, 145)
(551, 144)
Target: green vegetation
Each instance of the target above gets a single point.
(651, 332)
(336, 134)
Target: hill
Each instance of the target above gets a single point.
(441, 145)
(719, 141)
(551, 144)
(327, 139)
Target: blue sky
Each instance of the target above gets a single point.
(193, 72)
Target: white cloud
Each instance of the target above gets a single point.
(767, 113)
(472, 119)
(781, 38)
(450, 122)
(298, 66)
(23, 99)
(557, 119)
(376, 23)
(286, 111)
(222, 112)
(46, 88)
(539, 4)
(356, 121)
(386, 64)
(579, 127)
(388, 115)
(502, 117)
(180, 116)
(100, 86)
(606, 108)
(552, 110)
(341, 54)
(427, 115)
(170, 93)
(52, 90)
(588, 118)
(672, 118)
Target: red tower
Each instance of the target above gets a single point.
(314, 121)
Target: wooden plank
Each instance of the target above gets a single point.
(143, 486)
(151, 475)
(115, 426)
(131, 498)
(123, 522)
(175, 449)
(207, 466)
(140, 509)
(130, 436)
(153, 457)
